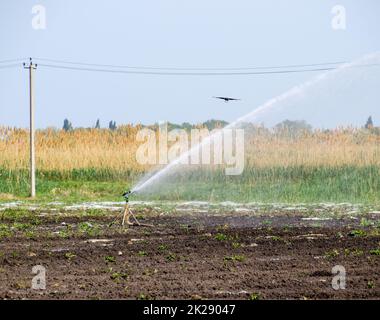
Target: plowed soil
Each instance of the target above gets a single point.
(190, 257)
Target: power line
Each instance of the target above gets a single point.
(188, 69)
(196, 73)
(108, 68)
(183, 73)
(10, 65)
(13, 60)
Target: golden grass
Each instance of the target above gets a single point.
(116, 150)
(335, 148)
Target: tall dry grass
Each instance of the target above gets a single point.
(339, 147)
(115, 150)
(81, 148)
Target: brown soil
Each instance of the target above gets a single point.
(192, 257)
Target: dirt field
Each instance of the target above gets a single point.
(190, 256)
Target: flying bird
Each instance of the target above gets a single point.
(227, 99)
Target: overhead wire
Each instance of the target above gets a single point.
(13, 60)
(186, 68)
(169, 73)
(10, 65)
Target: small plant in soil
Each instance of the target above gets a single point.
(162, 247)
(171, 257)
(236, 245)
(69, 256)
(375, 232)
(332, 254)
(65, 233)
(357, 233)
(143, 296)
(375, 252)
(35, 221)
(222, 227)
(276, 238)
(370, 284)
(88, 229)
(149, 272)
(267, 222)
(254, 296)
(30, 234)
(5, 231)
(238, 258)
(220, 237)
(365, 222)
(21, 226)
(118, 276)
(110, 259)
(142, 254)
(354, 252)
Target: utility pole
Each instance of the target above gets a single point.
(31, 66)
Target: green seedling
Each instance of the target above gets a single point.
(110, 259)
(254, 296)
(332, 254)
(375, 252)
(171, 257)
(69, 256)
(162, 247)
(142, 254)
(220, 237)
(238, 258)
(357, 233)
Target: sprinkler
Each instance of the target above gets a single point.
(128, 214)
(126, 195)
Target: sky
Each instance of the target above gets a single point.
(181, 34)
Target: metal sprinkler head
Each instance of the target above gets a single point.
(128, 214)
(126, 195)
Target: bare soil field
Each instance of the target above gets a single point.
(190, 256)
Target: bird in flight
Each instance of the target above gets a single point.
(227, 99)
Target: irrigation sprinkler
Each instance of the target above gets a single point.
(128, 214)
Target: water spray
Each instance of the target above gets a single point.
(255, 114)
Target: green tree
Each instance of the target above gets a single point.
(112, 125)
(67, 126)
(369, 123)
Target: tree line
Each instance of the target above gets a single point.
(293, 126)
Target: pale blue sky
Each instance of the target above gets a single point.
(171, 33)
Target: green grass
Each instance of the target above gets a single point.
(286, 185)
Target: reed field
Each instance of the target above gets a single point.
(332, 165)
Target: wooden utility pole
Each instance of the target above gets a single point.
(31, 68)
